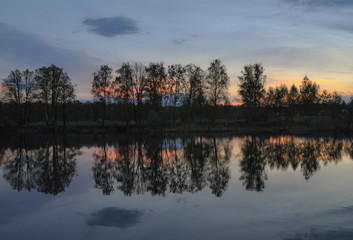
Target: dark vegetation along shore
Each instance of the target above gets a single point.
(155, 98)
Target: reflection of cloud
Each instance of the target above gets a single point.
(321, 3)
(112, 26)
(115, 217)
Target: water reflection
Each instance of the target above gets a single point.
(48, 168)
(283, 152)
(115, 217)
(155, 165)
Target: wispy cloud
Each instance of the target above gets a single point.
(112, 26)
(179, 41)
(321, 3)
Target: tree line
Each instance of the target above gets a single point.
(158, 95)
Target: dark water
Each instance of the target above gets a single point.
(152, 187)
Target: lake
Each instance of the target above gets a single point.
(176, 187)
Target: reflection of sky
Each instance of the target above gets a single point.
(289, 208)
(290, 37)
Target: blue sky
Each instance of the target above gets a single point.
(291, 38)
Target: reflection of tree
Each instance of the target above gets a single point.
(103, 170)
(18, 169)
(349, 147)
(155, 164)
(282, 152)
(219, 174)
(178, 170)
(309, 154)
(126, 166)
(196, 154)
(156, 173)
(252, 166)
(48, 169)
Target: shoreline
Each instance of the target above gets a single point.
(175, 130)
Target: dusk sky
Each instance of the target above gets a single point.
(291, 38)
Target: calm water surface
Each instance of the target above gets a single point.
(152, 187)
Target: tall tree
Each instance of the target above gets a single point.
(102, 86)
(217, 82)
(67, 95)
(156, 84)
(29, 88)
(139, 78)
(194, 87)
(309, 93)
(124, 88)
(293, 95)
(49, 82)
(251, 89)
(14, 93)
(251, 86)
(176, 76)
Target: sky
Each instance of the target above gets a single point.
(291, 38)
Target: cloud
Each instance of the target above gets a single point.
(115, 217)
(112, 26)
(23, 49)
(179, 41)
(321, 3)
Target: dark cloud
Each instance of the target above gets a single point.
(179, 41)
(319, 234)
(346, 27)
(115, 217)
(113, 26)
(321, 3)
(24, 49)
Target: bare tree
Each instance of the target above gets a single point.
(139, 78)
(29, 88)
(49, 81)
(124, 87)
(19, 90)
(156, 84)
(67, 95)
(102, 86)
(13, 86)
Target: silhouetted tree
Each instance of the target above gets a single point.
(251, 86)
(156, 84)
(67, 95)
(102, 86)
(30, 89)
(175, 80)
(193, 88)
(217, 82)
(309, 93)
(19, 90)
(50, 81)
(139, 78)
(124, 88)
